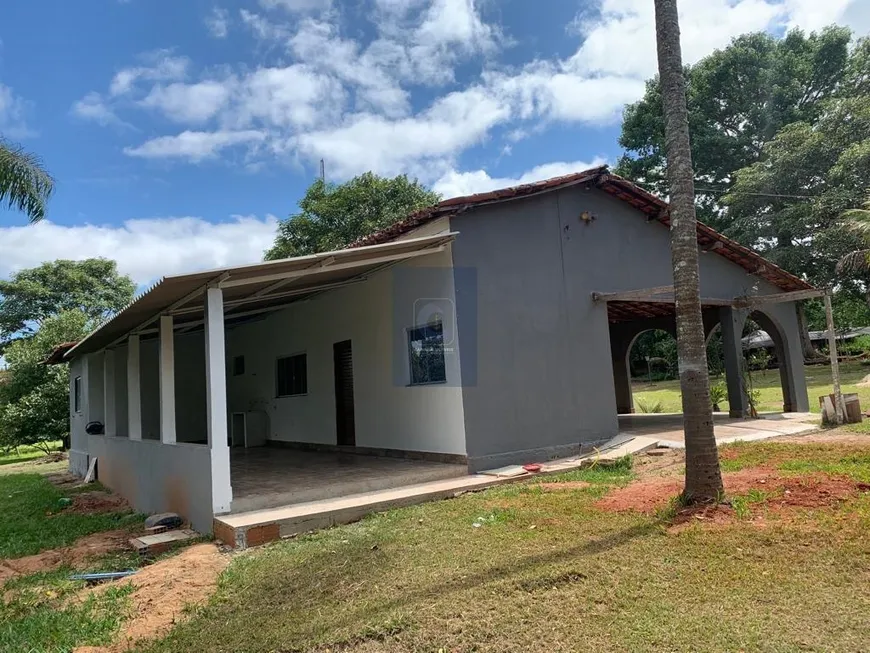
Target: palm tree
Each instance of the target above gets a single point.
(25, 185)
(703, 475)
(858, 222)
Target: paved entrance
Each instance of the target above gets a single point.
(668, 428)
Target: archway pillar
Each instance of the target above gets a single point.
(622, 337)
(731, 321)
(620, 345)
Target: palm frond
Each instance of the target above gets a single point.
(853, 262)
(25, 184)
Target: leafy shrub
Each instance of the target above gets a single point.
(650, 406)
(718, 393)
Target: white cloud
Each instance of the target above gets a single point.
(263, 28)
(294, 96)
(218, 23)
(193, 146)
(420, 144)
(190, 103)
(159, 66)
(93, 107)
(369, 71)
(145, 249)
(354, 99)
(13, 109)
(296, 5)
(457, 184)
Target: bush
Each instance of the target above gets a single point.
(718, 394)
(650, 406)
(854, 347)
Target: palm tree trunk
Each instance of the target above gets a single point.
(703, 476)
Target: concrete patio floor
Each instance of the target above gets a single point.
(266, 477)
(668, 428)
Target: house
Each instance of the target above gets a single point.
(487, 330)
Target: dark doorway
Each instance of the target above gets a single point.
(342, 355)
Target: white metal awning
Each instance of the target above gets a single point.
(254, 288)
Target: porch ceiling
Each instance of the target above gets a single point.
(248, 288)
(629, 311)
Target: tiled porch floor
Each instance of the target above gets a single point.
(266, 477)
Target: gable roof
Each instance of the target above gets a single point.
(653, 207)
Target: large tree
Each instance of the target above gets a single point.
(703, 475)
(332, 216)
(738, 99)
(30, 296)
(25, 185)
(34, 397)
(789, 204)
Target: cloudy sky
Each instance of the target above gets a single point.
(178, 131)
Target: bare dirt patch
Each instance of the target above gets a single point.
(76, 554)
(98, 501)
(818, 490)
(163, 591)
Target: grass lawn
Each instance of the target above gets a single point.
(32, 517)
(548, 570)
(37, 612)
(818, 384)
(26, 453)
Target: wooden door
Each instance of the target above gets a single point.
(342, 355)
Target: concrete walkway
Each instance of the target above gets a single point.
(668, 428)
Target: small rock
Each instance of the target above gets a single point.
(374, 547)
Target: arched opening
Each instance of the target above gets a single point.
(653, 369)
(653, 366)
(765, 349)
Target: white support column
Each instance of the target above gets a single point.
(109, 421)
(134, 393)
(216, 399)
(167, 380)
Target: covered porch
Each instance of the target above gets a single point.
(632, 313)
(196, 365)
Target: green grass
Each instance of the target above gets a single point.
(27, 453)
(667, 393)
(835, 459)
(33, 518)
(37, 615)
(551, 572)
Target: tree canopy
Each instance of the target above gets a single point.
(34, 398)
(739, 98)
(332, 216)
(30, 296)
(789, 204)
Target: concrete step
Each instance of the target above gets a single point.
(241, 530)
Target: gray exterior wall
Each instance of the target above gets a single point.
(544, 382)
(157, 477)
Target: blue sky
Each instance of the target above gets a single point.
(178, 131)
